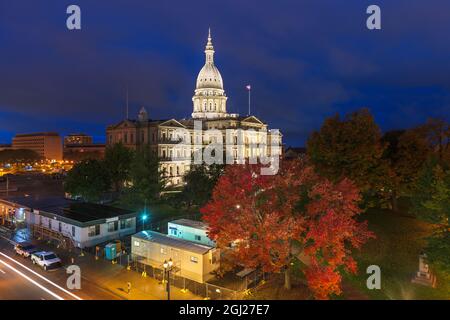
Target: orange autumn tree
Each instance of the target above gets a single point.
(262, 221)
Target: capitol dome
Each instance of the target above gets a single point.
(209, 100)
(209, 76)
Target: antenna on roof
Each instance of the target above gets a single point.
(127, 104)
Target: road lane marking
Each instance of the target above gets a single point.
(2, 271)
(31, 280)
(42, 277)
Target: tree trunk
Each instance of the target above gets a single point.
(287, 279)
(394, 202)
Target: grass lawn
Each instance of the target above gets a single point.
(396, 251)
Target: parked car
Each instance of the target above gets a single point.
(25, 249)
(46, 260)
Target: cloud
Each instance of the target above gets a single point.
(306, 60)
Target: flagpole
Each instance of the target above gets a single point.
(127, 103)
(249, 100)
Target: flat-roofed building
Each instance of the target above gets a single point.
(78, 152)
(5, 147)
(46, 144)
(71, 222)
(191, 260)
(77, 139)
(190, 230)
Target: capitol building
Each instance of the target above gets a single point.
(178, 142)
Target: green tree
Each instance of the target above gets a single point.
(199, 183)
(147, 180)
(406, 152)
(431, 203)
(118, 161)
(88, 179)
(437, 132)
(350, 148)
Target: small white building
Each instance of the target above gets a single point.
(193, 261)
(190, 230)
(82, 224)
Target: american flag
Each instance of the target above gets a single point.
(248, 87)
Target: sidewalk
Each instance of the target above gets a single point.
(114, 278)
(110, 277)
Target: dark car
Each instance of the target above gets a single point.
(25, 249)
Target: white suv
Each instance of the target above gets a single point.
(46, 260)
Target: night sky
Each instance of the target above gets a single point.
(305, 60)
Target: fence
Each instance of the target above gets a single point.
(206, 290)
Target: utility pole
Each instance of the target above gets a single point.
(7, 186)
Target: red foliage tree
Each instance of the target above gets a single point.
(264, 217)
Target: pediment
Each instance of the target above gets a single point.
(172, 123)
(252, 119)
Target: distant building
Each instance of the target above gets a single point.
(190, 230)
(294, 153)
(5, 147)
(84, 151)
(77, 139)
(46, 144)
(191, 260)
(70, 222)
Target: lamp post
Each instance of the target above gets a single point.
(144, 217)
(167, 269)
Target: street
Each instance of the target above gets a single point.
(21, 280)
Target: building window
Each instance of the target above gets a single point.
(137, 243)
(73, 231)
(94, 230)
(125, 224)
(173, 231)
(60, 227)
(163, 250)
(198, 238)
(113, 226)
(194, 259)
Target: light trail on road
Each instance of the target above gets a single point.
(42, 277)
(31, 280)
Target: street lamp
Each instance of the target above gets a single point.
(167, 269)
(144, 218)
